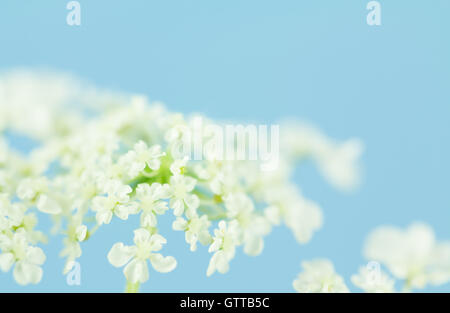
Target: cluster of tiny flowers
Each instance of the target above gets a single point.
(98, 156)
(412, 256)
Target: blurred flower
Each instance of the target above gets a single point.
(224, 247)
(373, 280)
(412, 255)
(319, 276)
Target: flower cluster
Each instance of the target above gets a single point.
(98, 156)
(412, 256)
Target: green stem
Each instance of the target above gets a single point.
(132, 287)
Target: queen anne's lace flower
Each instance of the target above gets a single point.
(319, 276)
(136, 270)
(122, 159)
(117, 201)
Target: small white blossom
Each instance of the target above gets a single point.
(253, 227)
(27, 259)
(177, 167)
(117, 201)
(181, 187)
(36, 191)
(136, 270)
(136, 160)
(195, 228)
(150, 197)
(224, 247)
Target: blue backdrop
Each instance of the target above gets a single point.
(258, 61)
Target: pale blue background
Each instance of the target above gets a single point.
(258, 60)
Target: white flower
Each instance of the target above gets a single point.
(180, 187)
(195, 228)
(319, 276)
(273, 214)
(27, 259)
(337, 162)
(117, 201)
(304, 218)
(136, 256)
(150, 202)
(412, 254)
(373, 280)
(136, 160)
(30, 189)
(224, 247)
(11, 215)
(36, 191)
(253, 227)
(178, 166)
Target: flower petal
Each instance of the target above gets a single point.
(6, 261)
(35, 255)
(26, 273)
(141, 235)
(136, 271)
(119, 255)
(163, 264)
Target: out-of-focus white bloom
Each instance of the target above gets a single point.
(11, 215)
(195, 228)
(35, 191)
(319, 276)
(337, 162)
(181, 187)
(141, 156)
(136, 270)
(412, 254)
(224, 247)
(27, 259)
(149, 197)
(273, 215)
(253, 226)
(373, 280)
(304, 218)
(117, 201)
(301, 215)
